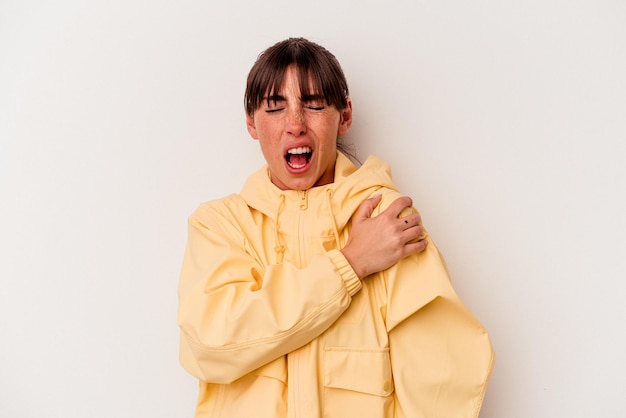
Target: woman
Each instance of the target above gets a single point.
(316, 291)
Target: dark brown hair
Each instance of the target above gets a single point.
(317, 68)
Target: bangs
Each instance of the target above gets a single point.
(308, 84)
(319, 74)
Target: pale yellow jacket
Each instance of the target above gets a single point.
(275, 323)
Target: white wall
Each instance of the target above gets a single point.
(504, 120)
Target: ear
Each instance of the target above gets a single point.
(251, 126)
(346, 119)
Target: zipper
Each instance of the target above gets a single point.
(302, 223)
(298, 362)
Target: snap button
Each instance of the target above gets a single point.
(386, 385)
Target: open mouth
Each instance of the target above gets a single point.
(298, 157)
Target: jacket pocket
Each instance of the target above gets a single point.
(358, 382)
(260, 394)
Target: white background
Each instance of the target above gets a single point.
(504, 120)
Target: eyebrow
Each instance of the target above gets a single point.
(307, 98)
(275, 98)
(313, 98)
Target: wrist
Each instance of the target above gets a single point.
(355, 263)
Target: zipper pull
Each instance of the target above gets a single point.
(304, 201)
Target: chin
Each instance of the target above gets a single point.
(302, 186)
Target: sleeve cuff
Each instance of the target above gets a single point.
(350, 279)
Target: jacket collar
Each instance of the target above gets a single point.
(351, 186)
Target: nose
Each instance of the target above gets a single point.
(296, 125)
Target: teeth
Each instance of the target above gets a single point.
(299, 150)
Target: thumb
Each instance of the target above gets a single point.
(367, 207)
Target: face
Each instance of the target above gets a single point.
(298, 135)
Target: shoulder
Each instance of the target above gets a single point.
(388, 197)
(380, 171)
(214, 214)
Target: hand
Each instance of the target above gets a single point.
(377, 243)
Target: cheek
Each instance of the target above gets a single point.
(268, 128)
(332, 131)
(270, 149)
(326, 125)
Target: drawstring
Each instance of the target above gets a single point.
(280, 247)
(329, 194)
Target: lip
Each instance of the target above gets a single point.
(299, 170)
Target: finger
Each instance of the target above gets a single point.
(410, 221)
(413, 234)
(398, 205)
(367, 207)
(416, 247)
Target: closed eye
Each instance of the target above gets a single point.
(274, 103)
(314, 102)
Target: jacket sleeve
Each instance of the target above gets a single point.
(441, 356)
(236, 315)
